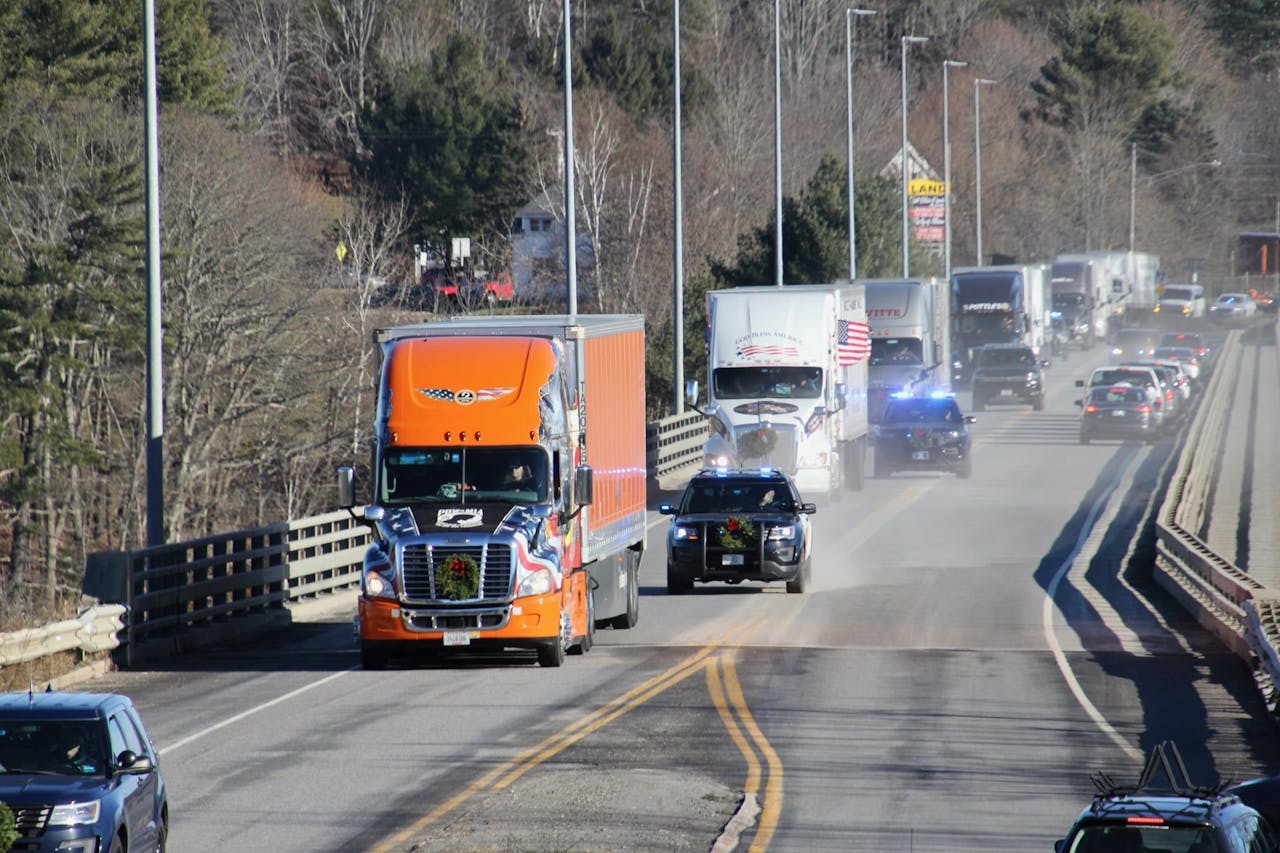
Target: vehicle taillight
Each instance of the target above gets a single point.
(1145, 820)
(1090, 409)
(1168, 395)
(1145, 409)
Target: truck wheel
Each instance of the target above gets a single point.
(855, 461)
(677, 584)
(797, 586)
(552, 654)
(372, 657)
(628, 619)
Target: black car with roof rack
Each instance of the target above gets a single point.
(738, 524)
(1176, 817)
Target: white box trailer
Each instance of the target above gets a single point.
(787, 382)
(910, 326)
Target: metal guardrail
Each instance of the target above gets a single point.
(182, 595)
(1243, 613)
(95, 630)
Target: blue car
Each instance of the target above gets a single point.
(80, 774)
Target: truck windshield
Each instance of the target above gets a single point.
(1172, 292)
(897, 351)
(1068, 300)
(416, 475)
(750, 383)
(994, 325)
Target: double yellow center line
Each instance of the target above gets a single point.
(727, 697)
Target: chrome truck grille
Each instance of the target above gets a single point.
(494, 560)
(781, 456)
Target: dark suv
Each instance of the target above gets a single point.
(1007, 373)
(922, 433)
(1178, 817)
(736, 524)
(80, 774)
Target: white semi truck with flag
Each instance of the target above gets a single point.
(787, 383)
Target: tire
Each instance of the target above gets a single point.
(1037, 405)
(162, 835)
(965, 471)
(796, 586)
(677, 584)
(117, 845)
(372, 657)
(880, 467)
(552, 654)
(624, 621)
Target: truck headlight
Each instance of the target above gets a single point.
(540, 582)
(377, 578)
(717, 461)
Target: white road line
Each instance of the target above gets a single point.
(1050, 606)
(250, 712)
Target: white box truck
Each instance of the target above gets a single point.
(787, 383)
(910, 325)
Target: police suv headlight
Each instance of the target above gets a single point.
(539, 582)
(955, 433)
(783, 533)
(75, 814)
(681, 533)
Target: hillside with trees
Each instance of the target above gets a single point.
(290, 128)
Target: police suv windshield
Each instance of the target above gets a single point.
(923, 410)
(55, 748)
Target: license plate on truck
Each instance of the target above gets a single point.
(457, 638)
(731, 560)
(920, 455)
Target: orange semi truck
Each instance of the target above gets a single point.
(508, 505)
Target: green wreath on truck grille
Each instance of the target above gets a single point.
(457, 577)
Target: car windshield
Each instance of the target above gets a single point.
(1128, 838)
(415, 475)
(1181, 339)
(1005, 358)
(923, 411)
(1118, 375)
(54, 748)
(750, 383)
(1230, 298)
(735, 496)
(1176, 353)
(1117, 394)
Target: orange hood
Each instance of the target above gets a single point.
(465, 390)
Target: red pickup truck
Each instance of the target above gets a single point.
(472, 290)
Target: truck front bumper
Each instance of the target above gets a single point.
(524, 623)
(812, 481)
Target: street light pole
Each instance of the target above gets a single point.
(1151, 180)
(677, 171)
(777, 144)
(906, 160)
(849, 15)
(946, 164)
(977, 162)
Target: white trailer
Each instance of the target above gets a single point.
(787, 382)
(910, 326)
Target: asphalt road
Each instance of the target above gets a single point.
(968, 653)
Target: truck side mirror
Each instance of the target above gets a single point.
(691, 392)
(583, 485)
(841, 391)
(346, 487)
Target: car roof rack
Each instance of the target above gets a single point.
(1166, 758)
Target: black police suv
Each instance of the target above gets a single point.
(738, 524)
(1174, 815)
(1007, 373)
(80, 774)
(922, 433)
